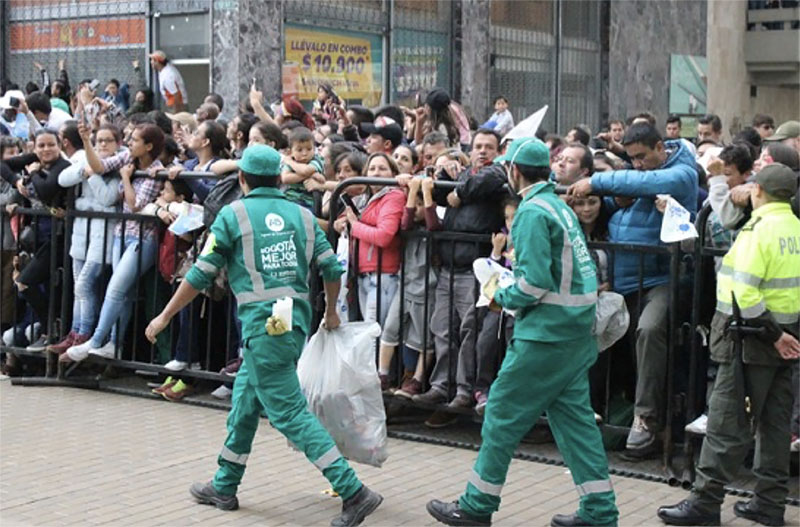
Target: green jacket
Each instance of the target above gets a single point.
(555, 291)
(267, 244)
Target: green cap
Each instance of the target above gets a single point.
(260, 160)
(777, 180)
(528, 151)
(788, 130)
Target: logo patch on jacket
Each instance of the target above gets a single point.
(274, 222)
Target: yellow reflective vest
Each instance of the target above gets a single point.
(762, 268)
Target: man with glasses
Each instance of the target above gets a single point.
(764, 125)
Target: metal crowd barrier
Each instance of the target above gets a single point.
(674, 334)
(129, 354)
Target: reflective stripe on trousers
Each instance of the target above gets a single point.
(492, 489)
(594, 487)
(229, 455)
(327, 459)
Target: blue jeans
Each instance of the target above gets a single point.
(368, 297)
(86, 306)
(130, 261)
(187, 346)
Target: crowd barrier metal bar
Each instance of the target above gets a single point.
(52, 283)
(67, 289)
(335, 208)
(701, 254)
(673, 327)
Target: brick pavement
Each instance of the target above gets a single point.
(80, 457)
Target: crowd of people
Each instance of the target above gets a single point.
(77, 148)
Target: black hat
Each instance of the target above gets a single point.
(385, 127)
(437, 99)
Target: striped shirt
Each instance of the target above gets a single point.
(145, 188)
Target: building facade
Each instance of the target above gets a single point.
(587, 60)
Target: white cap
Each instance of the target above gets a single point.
(5, 100)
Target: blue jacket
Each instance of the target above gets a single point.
(641, 222)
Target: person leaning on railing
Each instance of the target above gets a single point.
(92, 239)
(376, 228)
(9, 198)
(135, 244)
(474, 207)
(660, 167)
(40, 185)
(419, 214)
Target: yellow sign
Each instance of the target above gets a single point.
(343, 62)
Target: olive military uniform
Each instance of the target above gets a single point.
(762, 272)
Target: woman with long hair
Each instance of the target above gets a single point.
(376, 229)
(435, 116)
(135, 243)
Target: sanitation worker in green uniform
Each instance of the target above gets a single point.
(267, 244)
(547, 363)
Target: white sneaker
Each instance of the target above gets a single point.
(176, 365)
(79, 352)
(222, 392)
(106, 351)
(794, 447)
(33, 331)
(698, 426)
(8, 336)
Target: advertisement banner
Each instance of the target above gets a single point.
(76, 34)
(350, 62)
(420, 61)
(688, 83)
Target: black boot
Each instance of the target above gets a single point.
(451, 514)
(354, 510)
(687, 512)
(746, 510)
(206, 494)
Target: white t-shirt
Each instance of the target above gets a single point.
(57, 118)
(171, 85)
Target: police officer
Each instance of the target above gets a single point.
(758, 284)
(267, 244)
(547, 363)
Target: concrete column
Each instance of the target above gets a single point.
(728, 81)
(247, 40)
(642, 36)
(475, 57)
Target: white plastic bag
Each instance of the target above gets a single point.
(343, 255)
(611, 319)
(484, 269)
(339, 380)
(677, 222)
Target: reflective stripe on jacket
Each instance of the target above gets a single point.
(268, 245)
(555, 290)
(762, 268)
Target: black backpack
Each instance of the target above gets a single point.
(227, 190)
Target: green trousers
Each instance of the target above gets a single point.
(267, 382)
(729, 434)
(536, 377)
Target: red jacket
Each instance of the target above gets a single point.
(378, 229)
